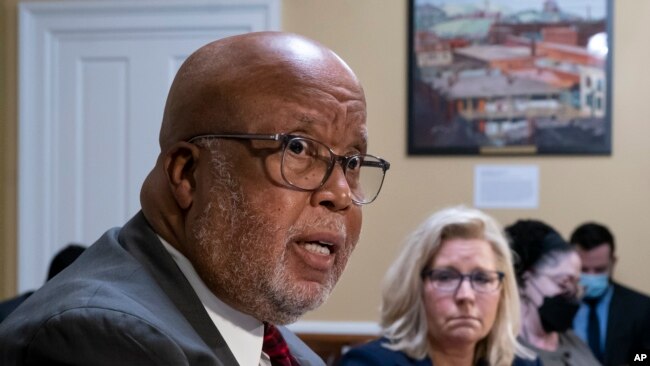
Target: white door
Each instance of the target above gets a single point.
(93, 81)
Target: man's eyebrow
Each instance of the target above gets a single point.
(305, 118)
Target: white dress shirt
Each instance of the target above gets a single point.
(243, 333)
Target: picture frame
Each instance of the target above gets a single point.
(514, 77)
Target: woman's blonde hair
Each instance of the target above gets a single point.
(403, 315)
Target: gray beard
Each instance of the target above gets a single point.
(231, 260)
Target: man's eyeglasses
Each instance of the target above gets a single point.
(307, 164)
(449, 280)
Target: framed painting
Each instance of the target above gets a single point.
(509, 77)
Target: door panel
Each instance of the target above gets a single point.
(92, 92)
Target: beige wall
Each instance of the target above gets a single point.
(371, 36)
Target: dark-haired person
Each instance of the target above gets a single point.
(61, 260)
(548, 274)
(613, 320)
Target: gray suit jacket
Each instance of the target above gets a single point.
(124, 301)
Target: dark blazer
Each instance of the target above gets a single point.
(9, 305)
(374, 354)
(123, 302)
(628, 326)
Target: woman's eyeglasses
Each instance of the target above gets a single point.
(449, 280)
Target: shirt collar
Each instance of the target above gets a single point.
(241, 332)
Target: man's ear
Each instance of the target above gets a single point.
(180, 166)
(613, 263)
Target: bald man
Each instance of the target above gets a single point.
(248, 219)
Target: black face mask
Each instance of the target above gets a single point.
(557, 312)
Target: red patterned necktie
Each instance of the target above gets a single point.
(276, 348)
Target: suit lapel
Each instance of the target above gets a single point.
(617, 327)
(139, 239)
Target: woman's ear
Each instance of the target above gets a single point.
(525, 281)
(180, 166)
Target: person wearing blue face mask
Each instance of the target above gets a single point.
(613, 320)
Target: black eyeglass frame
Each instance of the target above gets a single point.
(427, 273)
(334, 158)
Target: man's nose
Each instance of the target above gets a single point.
(335, 193)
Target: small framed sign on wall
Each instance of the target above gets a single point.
(510, 77)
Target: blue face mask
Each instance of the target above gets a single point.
(595, 284)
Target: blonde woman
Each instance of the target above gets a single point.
(450, 298)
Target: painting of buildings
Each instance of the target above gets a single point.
(509, 76)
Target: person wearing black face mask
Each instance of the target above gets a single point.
(548, 272)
